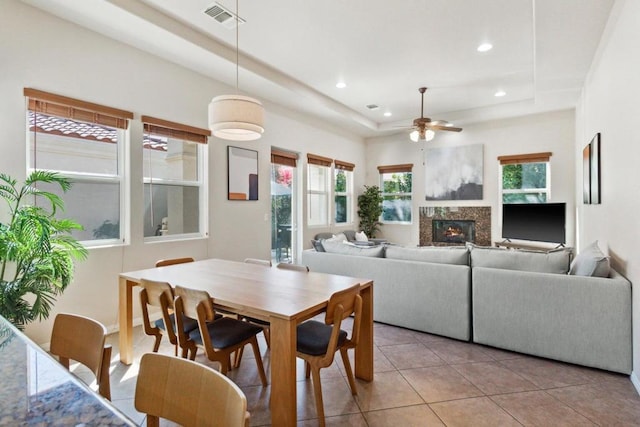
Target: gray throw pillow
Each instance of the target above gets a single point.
(317, 245)
(591, 262)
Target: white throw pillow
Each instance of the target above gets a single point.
(340, 237)
(361, 237)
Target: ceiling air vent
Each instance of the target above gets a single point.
(372, 106)
(224, 16)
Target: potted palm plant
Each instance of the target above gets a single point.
(36, 248)
(370, 209)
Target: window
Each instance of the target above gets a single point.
(525, 178)
(343, 192)
(173, 169)
(395, 184)
(318, 170)
(84, 142)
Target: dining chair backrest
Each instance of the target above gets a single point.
(165, 262)
(82, 339)
(343, 304)
(187, 393)
(296, 267)
(265, 262)
(195, 304)
(157, 294)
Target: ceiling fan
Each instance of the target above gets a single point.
(424, 127)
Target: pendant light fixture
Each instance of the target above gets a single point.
(236, 117)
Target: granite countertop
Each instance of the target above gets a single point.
(37, 391)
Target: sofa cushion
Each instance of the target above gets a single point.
(324, 235)
(332, 246)
(591, 262)
(553, 261)
(350, 235)
(317, 245)
(457, 255)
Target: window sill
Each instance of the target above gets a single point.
(174, 238)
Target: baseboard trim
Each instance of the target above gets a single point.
(635, 381)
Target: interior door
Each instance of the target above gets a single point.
(283, 212)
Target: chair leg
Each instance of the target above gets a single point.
(237, 358)
(256, 353)
(104, 386)
(156, 344)
(307, 369)
(317, 391)
(224, 365)
(347, 367)
(153, 421)
(267, 336)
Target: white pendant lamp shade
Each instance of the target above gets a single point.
(236, 117)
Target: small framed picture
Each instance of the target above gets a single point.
(242, 170)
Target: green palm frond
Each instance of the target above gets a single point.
(36, 249)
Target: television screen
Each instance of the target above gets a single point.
(542, 222)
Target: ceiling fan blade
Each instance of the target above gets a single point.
(443, 127)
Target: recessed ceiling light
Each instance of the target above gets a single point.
(341, 85)
(387, 114)
(485, 47)
(500, 93)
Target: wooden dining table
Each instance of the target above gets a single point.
(283, 297)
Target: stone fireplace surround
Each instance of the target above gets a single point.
(480, 214)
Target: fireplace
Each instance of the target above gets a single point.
(453, 231)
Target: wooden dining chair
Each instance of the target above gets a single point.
(318, 342)
(160, 295)
(187, 393)
(265, 262)
(295, 267)
(219, 339)
(173, 261)
(82, 339)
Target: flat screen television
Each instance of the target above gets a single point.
(541, 222)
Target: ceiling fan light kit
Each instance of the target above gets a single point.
(424, 127)
(236, 117)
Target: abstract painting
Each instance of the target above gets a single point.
(454, 173)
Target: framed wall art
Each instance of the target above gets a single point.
(591, 172)
(586, 174)
(454, 173)
(594, 169)
(242, 169)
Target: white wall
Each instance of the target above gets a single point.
(552, 132)
(47, 53)
(610, 105)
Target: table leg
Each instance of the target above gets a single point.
(364, 350)
(283, 372)
(125, 315)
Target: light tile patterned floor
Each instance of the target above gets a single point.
(427, 380)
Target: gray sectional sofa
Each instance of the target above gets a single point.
(515, 300)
